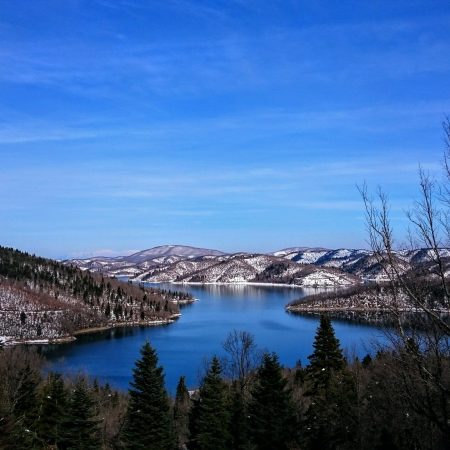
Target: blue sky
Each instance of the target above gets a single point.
(237, 124)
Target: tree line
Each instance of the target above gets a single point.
(246, 400)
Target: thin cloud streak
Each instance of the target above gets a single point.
(367, 119)
(234, 62)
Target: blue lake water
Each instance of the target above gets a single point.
(198, 335)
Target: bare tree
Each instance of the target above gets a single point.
(421, 348)
(243, 356)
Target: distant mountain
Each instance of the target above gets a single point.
(136, 264)
(294, 250)
(359, 262)
(164, 251)
(245, 268)
(178, 263)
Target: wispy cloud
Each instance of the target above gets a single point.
(370, 119)
(347, 205)
(124, 119)
(233, 61)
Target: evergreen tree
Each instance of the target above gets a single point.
(52, 414)
(25, 409)
(209, 418)
(327, 356)
(148, 422)
(25, 406)
(239, 426)
(331, 420)
(328, 420)
(273, 422)
(181, 413)
(80, 427)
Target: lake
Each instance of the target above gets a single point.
(184, 345)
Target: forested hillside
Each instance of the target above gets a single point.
(381, 302)
(44, 299)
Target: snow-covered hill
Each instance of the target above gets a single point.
(245, 268)
(178, 263)
(167, 251)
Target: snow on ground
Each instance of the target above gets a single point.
(325, 279)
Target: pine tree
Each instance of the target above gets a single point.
(327, 356)
(25, 406)
(148, 422)
(80, 427)
(273, 422)
(209, 424)
(328, 419)
(181, 413)
(25, 409)
(331, 421)
(239, 426)
(52, 414)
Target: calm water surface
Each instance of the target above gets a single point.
(184, 345)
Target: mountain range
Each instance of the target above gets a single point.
(301, 266)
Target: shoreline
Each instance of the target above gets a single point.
(330, 309)
(11, 341)
(318, 309)
(244, 283)
(185, 302)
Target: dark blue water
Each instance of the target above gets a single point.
(185, 345)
